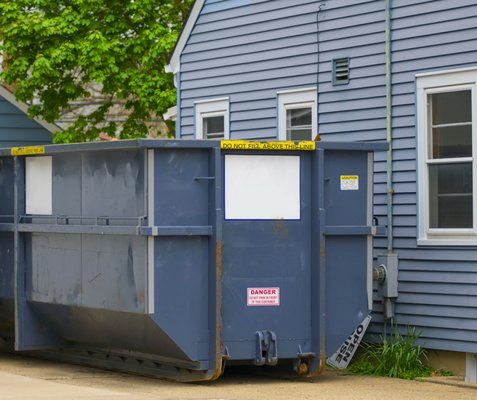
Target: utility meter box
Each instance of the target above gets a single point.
(176, 258)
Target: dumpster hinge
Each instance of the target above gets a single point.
(267, 351)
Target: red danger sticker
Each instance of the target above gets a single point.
(263, 297)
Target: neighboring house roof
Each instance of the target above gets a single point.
(174, 62)
(8, 96)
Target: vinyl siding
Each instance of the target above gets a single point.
(437, 285)
(16, 129)
(248, 50)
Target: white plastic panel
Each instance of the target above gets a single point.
(262, 187)
(39, 187)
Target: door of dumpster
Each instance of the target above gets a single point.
(267, 256)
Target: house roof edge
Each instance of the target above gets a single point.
(8, 96)
(184, 36)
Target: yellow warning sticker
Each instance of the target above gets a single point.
(249, 145)
(349, 182)
(24, 151)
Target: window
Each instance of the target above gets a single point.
(297, 115)
(213, 125)
(212, 119)
(446, 158)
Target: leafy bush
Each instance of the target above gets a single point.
(397, 356)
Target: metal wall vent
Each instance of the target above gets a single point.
(340, 71)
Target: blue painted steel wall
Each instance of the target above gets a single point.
(16, 129)
(138, 259)
(249, 50)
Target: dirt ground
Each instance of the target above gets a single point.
(28, 378)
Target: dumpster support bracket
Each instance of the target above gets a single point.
(267, 351)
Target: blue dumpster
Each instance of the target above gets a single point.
(176, 258)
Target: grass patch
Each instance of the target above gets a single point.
(397, 357)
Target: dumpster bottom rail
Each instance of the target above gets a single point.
(99, 358)
(102, 359)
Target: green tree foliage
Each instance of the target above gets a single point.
(56, 49)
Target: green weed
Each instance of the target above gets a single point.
(397, 356)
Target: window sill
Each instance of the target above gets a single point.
(448, 241)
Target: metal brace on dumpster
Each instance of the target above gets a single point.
(267, 351)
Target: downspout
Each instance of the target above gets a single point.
(389, 160)
(321, 8)
(386, 273)
(390, 262)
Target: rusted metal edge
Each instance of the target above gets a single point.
(219, 362)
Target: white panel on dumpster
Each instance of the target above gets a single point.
(39, 187)
(262, 187)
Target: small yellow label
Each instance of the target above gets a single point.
(349, 182)
(24, 151)
(281, 146)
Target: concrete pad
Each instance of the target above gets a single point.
(28, 378)
(17, 387)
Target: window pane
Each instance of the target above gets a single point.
(298, 134)
(299, 124)
(450, 196)
(452, 141)
(213, 127)
(299, 117)
(451, 107)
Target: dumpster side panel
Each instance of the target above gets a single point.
(54, 268)
(271, 254)
(182, 180)
(347, 252)
(129, 334)
(101, 271)
(113, 185)
(181, 293)
(89, 271)
(6, 189)
(7, 318)
(6, 247)
(6, 238)
(86, 287)
(6, 284)
(346, 277)
(6, 265)
(139, 266)
(90, 289)
(114, 272)
(67, 184)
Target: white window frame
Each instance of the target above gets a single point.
(293, 99)
(427, 84)
(211, 108)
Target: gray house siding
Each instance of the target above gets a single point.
(437, 285)
(249, 50)
(16, 129)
